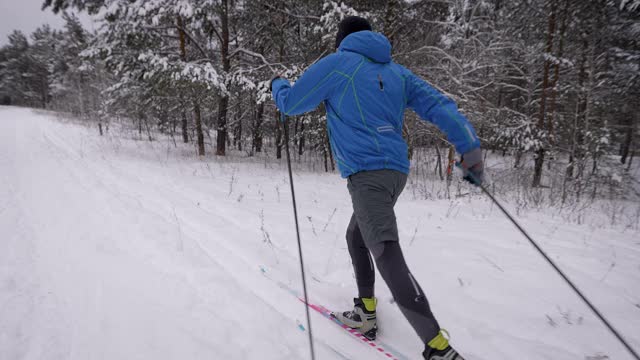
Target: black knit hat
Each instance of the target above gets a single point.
(349, 25)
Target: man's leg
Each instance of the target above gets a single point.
(374, 194)
(361, 260)
(406, 291)
(363, 315)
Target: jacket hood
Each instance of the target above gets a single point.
(371, 44)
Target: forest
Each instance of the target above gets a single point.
(552, 86)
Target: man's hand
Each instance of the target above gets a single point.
(473, 167)
(278, 76)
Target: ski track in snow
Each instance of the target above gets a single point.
(112, 248)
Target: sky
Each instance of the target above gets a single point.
(25, 15)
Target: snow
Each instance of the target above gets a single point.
(114, 248)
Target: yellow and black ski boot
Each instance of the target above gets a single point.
(362, 317)
(439, 349)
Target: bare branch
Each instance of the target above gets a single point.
(310, 17)
(186, 33)
(254, 54)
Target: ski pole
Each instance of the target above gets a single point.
(553, 264)
(295, 215)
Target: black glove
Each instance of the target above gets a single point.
(473, 167)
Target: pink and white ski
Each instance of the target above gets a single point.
(379, 346)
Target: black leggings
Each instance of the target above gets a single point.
(406, 291)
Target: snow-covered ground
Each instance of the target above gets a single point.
(112, 248)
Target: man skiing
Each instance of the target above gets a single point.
(365, 94)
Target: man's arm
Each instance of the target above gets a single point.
(313, 87)
(433, 106)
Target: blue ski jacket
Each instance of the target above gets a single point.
(365, 94)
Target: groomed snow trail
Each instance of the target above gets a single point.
(113, 248)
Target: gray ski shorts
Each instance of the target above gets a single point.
(374, 194)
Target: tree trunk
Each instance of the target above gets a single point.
(240, 135)
(223, 103)
(294, 138)
(235, 135)
(327, 146)
(278, 135)
(183, 56)
(390, 16)
(199, 133)
(146, 125)
(569, 172)
(577, 152)
(301, 139)
(183, 52)
(556, 73)
(575, 132)
(439, 162)
(221, 138)
(81, 98)
(257, 128)
(537, 168)
(407, 137)
(325, 149)
(257, 125)
(277, 113)
(626, 143)
(518, 159)
(451, 161)
(326, 160)
(185, 132)
(539, 157)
